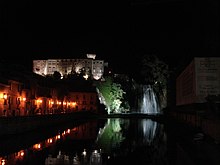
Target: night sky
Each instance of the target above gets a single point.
(174, 30)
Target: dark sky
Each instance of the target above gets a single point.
(175, 30)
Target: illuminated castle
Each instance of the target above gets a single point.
(90, 66)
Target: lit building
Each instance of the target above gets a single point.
(90, 66)
(199, 79)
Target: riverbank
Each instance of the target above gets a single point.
(198, 116)
(21, 124)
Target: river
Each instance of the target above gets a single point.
(105, 141)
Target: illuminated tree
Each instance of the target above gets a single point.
(112, 94)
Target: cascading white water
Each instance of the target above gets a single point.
(148, 101)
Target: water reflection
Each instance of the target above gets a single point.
(149, 128)
(130, 140)
(96, 142)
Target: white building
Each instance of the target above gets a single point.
(68, 66)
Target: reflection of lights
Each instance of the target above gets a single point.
(58, 137)
(68, 131)
(50, 140)
(19, 154)
(37, 146)
(75, 129)
(22, 153)
(149, 128)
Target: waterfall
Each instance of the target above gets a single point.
(148, 102)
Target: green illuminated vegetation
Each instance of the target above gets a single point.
(112, 95)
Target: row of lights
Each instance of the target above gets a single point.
(64, 103)
(20, 154)
(5, 96)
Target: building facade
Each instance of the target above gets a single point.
(90, 66)
(33, 94)
(201, 78)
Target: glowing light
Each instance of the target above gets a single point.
(74, 103)
(97, 76)
(39, 101)
(91, 56)
(86, 76)
(50, 140)
(4, 96)
(77, 69)
(3, 162)
(84, 152)
(37, 146)
(58, 137)
(24, 99)
(22, 153)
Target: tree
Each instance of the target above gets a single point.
(112, 94)
(57, 75)
(155, 72)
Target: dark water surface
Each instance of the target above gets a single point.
(105, 141)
